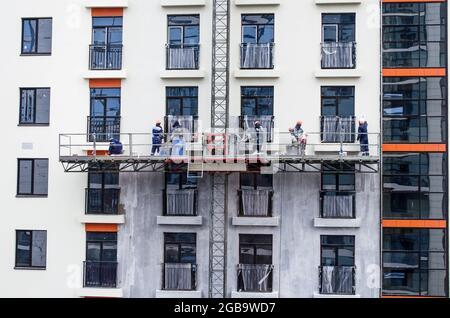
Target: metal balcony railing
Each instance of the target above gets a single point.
(100, 274)
(179, 276)
(105, 57)
(181, 202)
(255, 203)
(182, 56)
(257, 55)
(337, 204)
(254, 277)
(335, 129)
(337, 280)
(103, 128)
(102, 201)
(338, 55)
(247, 123)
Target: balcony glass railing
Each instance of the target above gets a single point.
(247, 123)
(102, 201)
(257, 55)
(103, 128)
(335, 129)
(179, 276)
(336, 55)
(337, 280)
(182, 56)
(180, 202)
(100, 274)
(105, 57)
(255, 203)
(337, 204)
(254, 277)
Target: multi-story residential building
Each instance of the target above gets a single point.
(234, 204)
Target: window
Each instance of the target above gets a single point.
(414, 109)
(104, 120)
(31, 249)
(178, 181)
(34, 106)
(337, 250)
(338, 27)
(183, 30)
(256, 181)
(180, 248)
(338, 101)
(257, 101)
(258, 28)
(339, 178)
(414, 34)
(182, 101)
(414, 185)
(103, 192)
(100, 268)
(255, 249)
(36, 36)
(32, 177)
(106, 48)
(414, 262)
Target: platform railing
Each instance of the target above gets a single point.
(233, 145)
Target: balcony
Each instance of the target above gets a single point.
(267, 122)
(100, 274)
(255, 203)
(102, 201)
(255, 277)
(337, 204)
(182, 202)
(338, 55)
(103, 128)
(105, 57)
(257, 56)
(182, 57)
(179, 276)
(337, 280)
(335, 129)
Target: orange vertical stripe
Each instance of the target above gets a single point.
(427, 224)
(107, 12)
(91, 227)
(414, 147)
(390, 72)
(105, 83)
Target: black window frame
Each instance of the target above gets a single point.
(337, 98)
(338, 26)
(256, 178)
(182, 182)
(256, 98)
(101, 242)
(338, 171)
(336, 247)
(30, 266)
(183, 27)
(31, 194)
(255, 245)
(22, 52)
(179, 243)
(181, 99)
(35, 92)
(258, 27)
(107, 29)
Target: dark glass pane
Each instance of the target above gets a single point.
(109, 253)
(42, 106)
(45, 36)
(401, 205)
(101, 236)
(23, 256)
(337, 240)
(183, 19)
(401, 164)
(249, 106)
(29, 40)
(264, 181)
(171, 253)
(246, 254)
(175, 35)
(400, 108)
(99, 36)
(27, 106)
(25, 176)
(255, 239)
(247, 180)
(266, 34)
(401, 281)
(107, 21)
(188, 253)
(249, 34)
(346, 256)
(264, 254)
(401, 239)
(433, 240)
(329, 256)
(93, 252)
(400, 260)
(191, 35)
(188, 238)
(40, 177)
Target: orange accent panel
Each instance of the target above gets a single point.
(414, 147)
(426, 224)
(99, 152)
(105, 83)
(388, 1)
(391, 72)
(107, 12)
(91, 227)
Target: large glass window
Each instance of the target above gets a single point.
(101, 246)
(338, 27)
(182, 101)
(414, 34)
(32, 177)
(178, 181)
(255, 249)
(258, 28)
(34, 106)
(103, 192)
(180, 248)
(414, 262)
(257, 101)
(183, 30)
(255, 181)
(338, 178)
(37, 36)
(105, 113)
(414, 109)
(107, 31)
(337, 250)
(414, 185)
(31, 249)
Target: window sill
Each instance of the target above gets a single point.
(178, 294)
(257, 73)
(318, 295)
(257, 2)
(338, 1)
(183, 3)
(20, 268)
(179, 220)
(33, 125)
(37, 196)
(337, 223)
(338, 73)
(100, 292)
(256, 221)
(187, 74)
(238, 294)
(103, 219)
(35, 54)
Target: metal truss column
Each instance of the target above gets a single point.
(219, 123)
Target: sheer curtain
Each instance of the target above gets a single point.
(266, 123)
(255, 202)
(337, 206)
(180, 202)
(181, 58)
(257, 55)
(335, 129)
(178, 276)
(337, 55)
(255, 277)
(337, 280)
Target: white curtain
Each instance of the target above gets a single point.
(255, 277)
(180, 202)
(337, 280)
(181, 58)
(335, 129)
(257, 55)
(186, 122)
(337, 55)
(266, 123)
(337, 206)
(255, 202)
(178, 276)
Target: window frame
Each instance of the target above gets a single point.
(255, 247)
(336, 247)
(183, 29)
(181, 98)
(257, 26)
(257, 98)
(101, 242)
(31, 194)
(35, 92)
(22, 52)
(179, 243)
(337, 98)
(338, 26)
(31, 267)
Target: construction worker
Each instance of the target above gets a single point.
(363, 137)
(177, 139)
(259, 131)
(298, 130)
(157, 138)
(115, 147)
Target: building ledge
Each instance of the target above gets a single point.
(178, 294)
(100, 292)
(257, 2)
(335, 147)
(338, 73)
(255, 221)
(322, 222)
(179, 220)
(256, 73)
(121, 74)
(106, 3)
(317, 295)
(236, 294)
(102, 219)
(183, 3)
(338, 1)
(173, 74)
